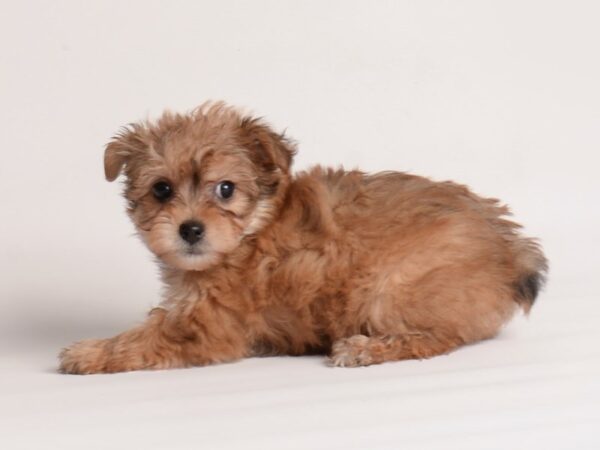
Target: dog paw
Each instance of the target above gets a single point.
(351, 352)
(84, 357)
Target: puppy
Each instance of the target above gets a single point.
(257, 261)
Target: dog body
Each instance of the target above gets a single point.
(366, 268)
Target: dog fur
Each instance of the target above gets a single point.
(365, 268)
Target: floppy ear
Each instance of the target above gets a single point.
(114, 160)
(119, 149)
(268, 150)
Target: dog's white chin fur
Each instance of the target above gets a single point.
(191, 262)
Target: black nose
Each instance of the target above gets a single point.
(191, 231)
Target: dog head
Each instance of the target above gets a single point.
(198, 184)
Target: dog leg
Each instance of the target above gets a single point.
(361, 350)
(161, 342)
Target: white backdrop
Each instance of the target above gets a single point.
(503, 96)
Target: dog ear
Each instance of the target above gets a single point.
(268, 150)
(119, 150)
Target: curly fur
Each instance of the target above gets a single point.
(365, 268)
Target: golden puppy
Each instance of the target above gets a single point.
(257, 261)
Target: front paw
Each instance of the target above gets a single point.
(84, 357)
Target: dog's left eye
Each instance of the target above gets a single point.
(225, 189)
(162, 191)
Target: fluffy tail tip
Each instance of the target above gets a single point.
(528, 287)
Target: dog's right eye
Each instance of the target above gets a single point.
(162, 191)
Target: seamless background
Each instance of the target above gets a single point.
(502, 96)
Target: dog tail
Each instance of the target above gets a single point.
(532, 267)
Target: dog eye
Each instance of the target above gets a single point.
(162, 191)
(225, 189)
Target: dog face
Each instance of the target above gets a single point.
(198, 184)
